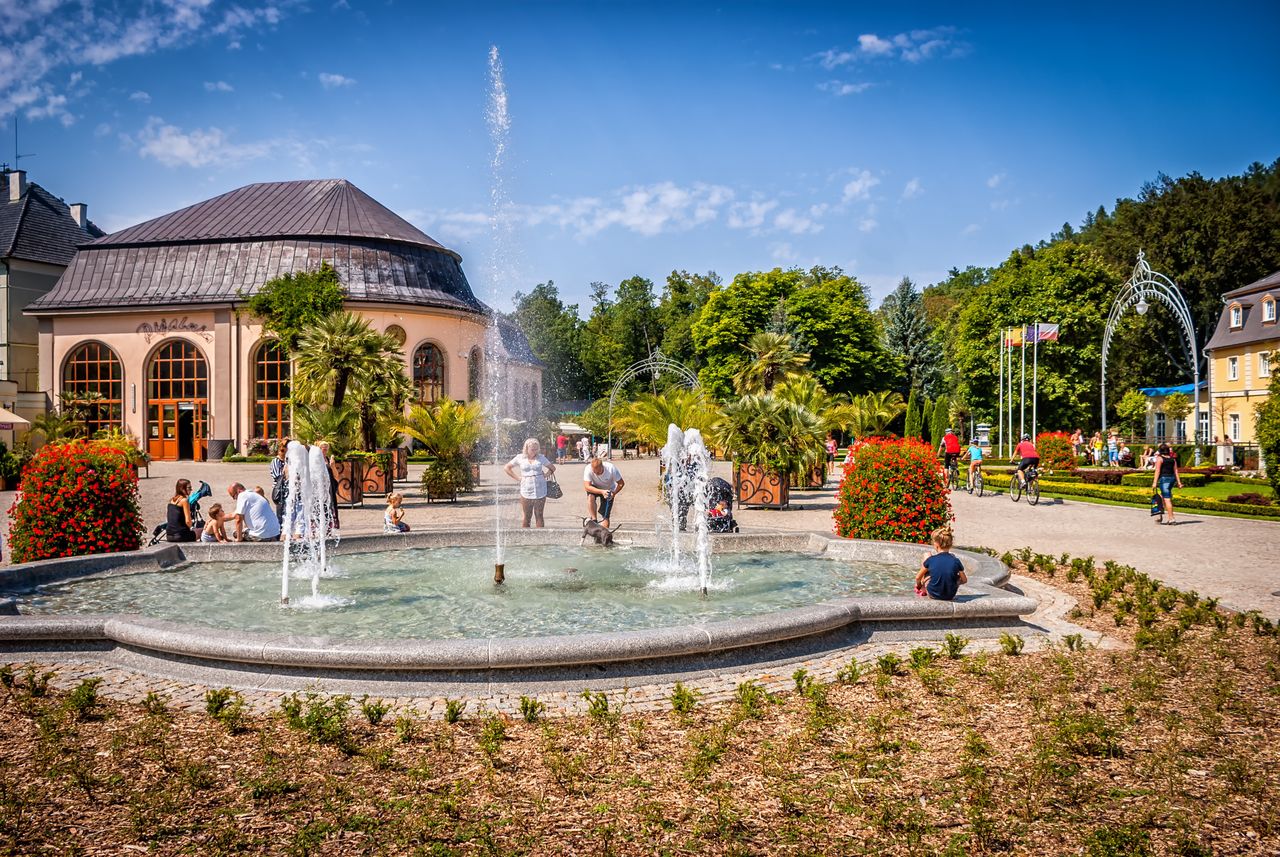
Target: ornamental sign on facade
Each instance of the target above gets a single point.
(166, 326)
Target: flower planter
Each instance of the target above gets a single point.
(402, 463)
(350, 478)
(376, 478)
(817, 478)
(441, 495)
(759, 488)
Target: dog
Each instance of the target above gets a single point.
(598, 533)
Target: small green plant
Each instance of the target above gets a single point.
(406, 729)
(1007, 558)
(453, 709)
(922, 657)
(849, 673)
(531, 709)
(751, 699)
(1074, 642)
(1011, 644)
(324, 720)
(373, 710)
(227, 707)
(1124, 841)
(683, 700)
(155, 704)
(83, 700)
(953, 645)
(889, 664)
(599, 711)
(6, 677)
(37, 683)
(802, 679)
(492, 734)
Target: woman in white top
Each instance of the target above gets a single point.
(531, 468)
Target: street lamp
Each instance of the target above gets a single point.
(1142, 306)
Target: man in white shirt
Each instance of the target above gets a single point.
(255, 520)
(602, 482)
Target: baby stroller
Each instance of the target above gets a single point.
(197, 520)
(719, 491)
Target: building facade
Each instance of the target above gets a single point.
(1161, 427)
(1242, 354)
(148, 325)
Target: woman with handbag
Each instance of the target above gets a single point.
(531, 469)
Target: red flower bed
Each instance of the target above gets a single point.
(1055, 451)
(75, 498)
(892, 491)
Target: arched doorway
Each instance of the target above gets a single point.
(177, 402)
(93, 379)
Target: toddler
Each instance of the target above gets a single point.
(941, 573)
(393, 517)
(215, 529)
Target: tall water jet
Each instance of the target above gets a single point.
(499, 122)
(687, 478)
(308, 517)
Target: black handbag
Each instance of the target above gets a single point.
(554, 491)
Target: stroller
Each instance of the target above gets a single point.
(197, 520)
(719, 491)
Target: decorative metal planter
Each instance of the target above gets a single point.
(402, 462)
(759, 488)
(377, 478)
(350, 478)
(817, 478)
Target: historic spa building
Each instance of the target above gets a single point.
(152, 319)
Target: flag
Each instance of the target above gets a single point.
(1013, 336)
(1042, 333)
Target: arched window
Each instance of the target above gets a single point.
(177, 402)
(475, 374)
(428, 373)
(271, 374)
(93, 380)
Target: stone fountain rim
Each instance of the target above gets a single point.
(982, 599)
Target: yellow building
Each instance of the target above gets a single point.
(1241, 357)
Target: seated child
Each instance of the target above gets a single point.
(719, 510)
(215, 529)
(393, 517)
(942, 573)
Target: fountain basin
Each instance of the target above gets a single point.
(982, 602)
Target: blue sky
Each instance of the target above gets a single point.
(887, 139)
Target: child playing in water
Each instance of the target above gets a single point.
(393, 517)
(941, 573)
(215, 529)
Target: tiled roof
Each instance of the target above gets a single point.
(323, 208)
(1253, 329)
(39, 228)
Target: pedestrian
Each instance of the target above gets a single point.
(602, 481)
(831, 450)
(530, 468)
(1097, 445)
(280, 477)
(1077, 443)
(1163, 480)
(254, 518)
(1113, 450)
(562, 447)
(393, 515)
(179, 525)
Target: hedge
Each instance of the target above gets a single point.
(1129, 495)
(1189, 480)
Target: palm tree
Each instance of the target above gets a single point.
(773, 434)
(449, 431)
(832, 411)
(339, 347)
(312, 423)
(774, 359)
(377, 395)
(645, 420)
(57, 426)
(871, 413)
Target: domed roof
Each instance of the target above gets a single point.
(319, 208)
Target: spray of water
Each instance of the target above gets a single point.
(499, 122)
(308, 522)
(687, 477)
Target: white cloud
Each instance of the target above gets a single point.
(218, 86)
(335, 81)
(912, 189)
(783, 252)
(971, 229)
(140, 97)
(750, 215)
(54, 107)
(867, 224)
(914, 46)
(789, 220)
(860, 186)
(200, 147)
(840, 88)
(995, 180)
(999, 204)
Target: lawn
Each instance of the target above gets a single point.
(1167, 744)
(1223, 490)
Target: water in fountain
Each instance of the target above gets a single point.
(308, 520)
(499, 122)
(687, 463)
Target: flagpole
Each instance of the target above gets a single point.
(1022, 395)
(1000, 427)
(1035, 374)
(1009, 398)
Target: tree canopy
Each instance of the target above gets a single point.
(291, 303)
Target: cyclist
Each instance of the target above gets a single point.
(975, 458)
(1030, 458)
(950, 448)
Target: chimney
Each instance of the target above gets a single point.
(80, 214)
(17, 185)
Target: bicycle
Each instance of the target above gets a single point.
(1030, 486)
(953, 476)
(974, 482)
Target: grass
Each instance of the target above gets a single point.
(1098, 501)
(1166, 744)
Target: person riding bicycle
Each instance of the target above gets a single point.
(950, 447)
(975, 458)
(1030, 457)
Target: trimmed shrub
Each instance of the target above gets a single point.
(1249, 498)
(893, 491)
(1055, 451)
(1139, 496)
(76, 498)
(1143, 480)
(1104, 477)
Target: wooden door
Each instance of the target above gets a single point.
(177, 381)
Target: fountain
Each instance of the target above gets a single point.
(686, 460)
(499, 122)
(307, 519)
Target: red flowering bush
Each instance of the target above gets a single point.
(892, 491)
(75, 498)
(1055, 451)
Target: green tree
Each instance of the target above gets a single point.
(776, 435)
(873, 413)
(941, 420)
(774, 360)
(1131, 413)
(291, 303)
(914, 416)
(604, 355)
(682, 300)
(334, 350)
(377, 396)
(1268, 428)
(646, 418)
(1177, 407)
(555, 335)
(909, 337)
(926, 419)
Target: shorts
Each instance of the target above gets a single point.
(1029, 462)
(949, 459)
(1166, 484)
(603, 505)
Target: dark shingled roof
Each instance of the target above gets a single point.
(216, 251)
(39, 228)
(1253, 330)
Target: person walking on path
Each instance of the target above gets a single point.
(602, 482)
(279, 483)
(1166, 476)
(531, 468)
(1096, 445)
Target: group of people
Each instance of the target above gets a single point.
(601, 480)
(1111, 451)
(583, 449)
(252, 518)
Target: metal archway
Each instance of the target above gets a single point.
(654, 365)
(1144, 286)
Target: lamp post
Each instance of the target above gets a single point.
(1143, 287)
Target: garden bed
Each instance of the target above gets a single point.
(1139, 496)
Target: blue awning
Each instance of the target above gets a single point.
(1189, 389)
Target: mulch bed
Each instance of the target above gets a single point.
(1168, 745)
